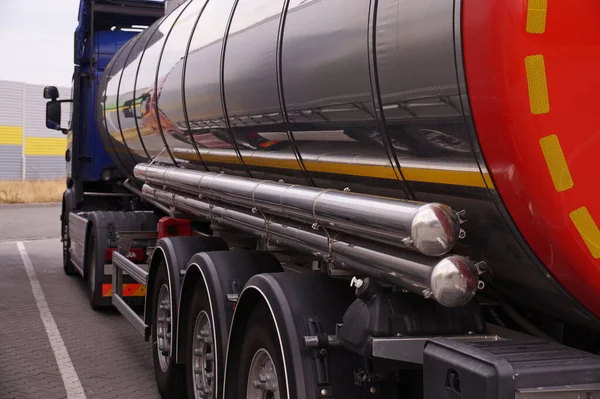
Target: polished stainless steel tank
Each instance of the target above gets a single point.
(367, 96)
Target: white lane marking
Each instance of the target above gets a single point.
(67, 371)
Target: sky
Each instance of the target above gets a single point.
(36, 41)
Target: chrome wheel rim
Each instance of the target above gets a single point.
(203, 358)
(163, 327)
(262, 377)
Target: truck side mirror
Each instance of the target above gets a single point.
(50, 92)
(53, 115)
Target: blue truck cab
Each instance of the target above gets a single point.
(104, 27)
(94, 183)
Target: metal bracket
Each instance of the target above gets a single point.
(319, 356)
(125, 239)
(235, 289)
(461, 215)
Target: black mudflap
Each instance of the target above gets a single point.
(105, 226)
(525, 369)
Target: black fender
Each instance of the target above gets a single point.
(69, 203)
(105, 225)
(297, 299)
(220, 273)
(176, 252)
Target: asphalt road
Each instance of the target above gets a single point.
(52, 342)
(27, 222)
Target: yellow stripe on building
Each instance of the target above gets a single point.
(557, 164)
(537, 84)
(588, 229)
(49, 146)
(536, 16)
(11, 135)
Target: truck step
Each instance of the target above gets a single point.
(521, 368)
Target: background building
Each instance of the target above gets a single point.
(28, 150)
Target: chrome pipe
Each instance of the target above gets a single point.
(451, 281)
(429, 228)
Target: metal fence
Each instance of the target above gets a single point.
(28, 150)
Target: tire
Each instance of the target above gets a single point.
(261, 342)
(170, 376)
(200, 315)
(68, 267)
(93, 295)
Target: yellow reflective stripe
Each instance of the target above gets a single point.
(11, 135)
(588, 229)
(536, 16)
(441, 176)
(537, 84)
(557, 164)
(488, 180)
(45, 145)
(423, 175)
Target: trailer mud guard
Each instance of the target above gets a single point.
(176, 252)
(301, 304)
(222, 274)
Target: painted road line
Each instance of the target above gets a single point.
(65, 366)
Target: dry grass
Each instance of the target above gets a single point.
(31, 191)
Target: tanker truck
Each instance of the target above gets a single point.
(349, 198)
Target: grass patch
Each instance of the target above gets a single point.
(31, 191)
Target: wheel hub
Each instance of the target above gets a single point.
(262, 377)
(203, 364)
(163, 327)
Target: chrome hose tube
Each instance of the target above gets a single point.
(451, 281)
(429, 228)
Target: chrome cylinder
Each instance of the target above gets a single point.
(451, 281)
(429, 228)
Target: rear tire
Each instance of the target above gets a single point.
(201, 369)
(68, 267)
(170, 376)
(261, 372)
(94, 296)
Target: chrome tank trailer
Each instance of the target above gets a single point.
(364, 98)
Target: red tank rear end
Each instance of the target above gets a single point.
(533, 82)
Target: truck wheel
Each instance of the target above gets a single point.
(170, 377)
(200, 358)
(261, 373)
(68, 267)
(93, 294)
